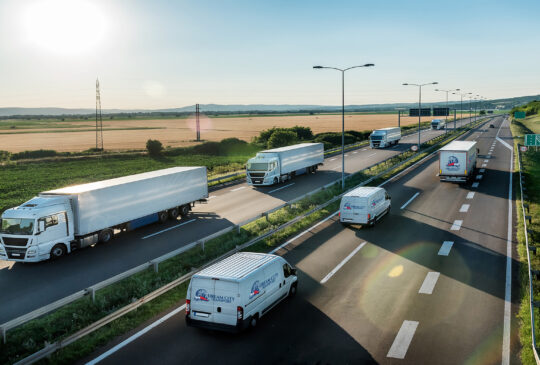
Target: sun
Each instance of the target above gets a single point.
(64, 26)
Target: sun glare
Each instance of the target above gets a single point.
(64, 26)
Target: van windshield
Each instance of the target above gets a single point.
(17, 226)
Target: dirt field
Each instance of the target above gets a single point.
(181, 132)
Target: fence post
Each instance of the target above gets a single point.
(156, 266)
(202, 244)
(3, 334)
(92, 293)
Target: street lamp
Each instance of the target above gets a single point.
(448, 111)
(343, 114)
(461, 106)
(420, 104)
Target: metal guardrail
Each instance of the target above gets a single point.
(51, 348)
(532, 303)
(91, 290)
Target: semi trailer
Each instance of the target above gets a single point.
(457, 161)
(57, 222)
(384, 137)
(280, 164)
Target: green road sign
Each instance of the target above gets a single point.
(519, 115)
(532, 140)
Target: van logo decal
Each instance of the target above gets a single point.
(254, 289)
(201, 294)
(257, 286)
(453, 163)
(347, 206)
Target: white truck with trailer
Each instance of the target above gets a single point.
(437, 124)
(59, 221)
(384, 137)
(364, 205)
(280, 164)
(233, 294)
(457, 161)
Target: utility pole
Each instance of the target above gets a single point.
(197, 122)
(99, 120)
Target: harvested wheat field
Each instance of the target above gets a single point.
(181, 132)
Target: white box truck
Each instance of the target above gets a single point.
(59, 221)
(364, 205)
(437, 124)
(384, 137)
(457, 161)
(235, 293)
(280, 164)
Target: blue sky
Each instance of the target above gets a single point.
(159, 54)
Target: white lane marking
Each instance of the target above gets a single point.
(364, 149)
(410, 200)
(136, 336)
(403, 340)
(373, 154)
(470, 195)
(346, 155)
(464, 208)
(340, 265)
(168, 229)
(486, 161)
(484, 165)
(457, 225)
(445, 248)
(508, 284)
(429, 283)
(212, 197)
(283, 187)
(482, 170)
(355, 152)
(303, 233)
(479, 177)
(489, 153)
(332, 159)
(504, 143)
(475, 185)
(240, 188)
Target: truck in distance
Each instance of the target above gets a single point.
(437, 124)
(280, 164)
(384, 137)
(236, 292)
(457, 161)
(59, 221)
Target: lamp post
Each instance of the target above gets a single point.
(420, 104)
(446, 117)
(343, 114)
(461, 106)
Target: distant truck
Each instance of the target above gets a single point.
(59, 221)
(384, 137)
(280, 164)
(233, 294)
(437, 124)
(457, 161)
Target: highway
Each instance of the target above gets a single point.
(429, 284)
(26, 287)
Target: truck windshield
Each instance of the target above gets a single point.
(17, 226)
(376, 138)
(257, 166)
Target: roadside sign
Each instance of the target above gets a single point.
(519, 115)
(414, 148)
(523, 148)
(532, 140)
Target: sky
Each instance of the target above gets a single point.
(165, 54)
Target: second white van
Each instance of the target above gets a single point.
(364, 205)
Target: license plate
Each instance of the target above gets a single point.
(200, 314)
(15, 254)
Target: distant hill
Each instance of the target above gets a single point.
(507, 103)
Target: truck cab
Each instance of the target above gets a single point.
(37, 230)
(263, 169)
(437, 124)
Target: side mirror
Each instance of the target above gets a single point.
(293, 271)
(41, 226)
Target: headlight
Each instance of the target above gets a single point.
(32, 251)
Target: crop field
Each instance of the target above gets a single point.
(79, 135)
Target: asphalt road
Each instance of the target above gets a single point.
(404, 297)
(26, 287)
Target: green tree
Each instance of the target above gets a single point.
(154, 147)
(281, 138)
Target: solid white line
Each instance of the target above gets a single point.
(355, 152)
(464, 208)
(475, 185)
(508, 284)
(504, 143)
(364, 149)
(457, 225)
(410, 200)
(168, 229)
(283, 187)
(136, 336)
(332, 159)
(482, 170)
(489, 153)
(373, 154)
(479, 177)
(470, 195)
(429, 283)
(403, 340)
(212, 197)
(445, 248)
(240, 188)
(340, 265)
(484, 165)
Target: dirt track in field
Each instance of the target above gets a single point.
(181, 132)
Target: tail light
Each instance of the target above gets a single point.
(339, 215)
(239, 313)
(369, 216)
(188, 306)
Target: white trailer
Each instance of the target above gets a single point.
(384, 137)
(280, 164)
(59, 221)
(437, 124)
(457, 161)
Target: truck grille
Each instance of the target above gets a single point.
(16, 253)
(256, 174)
(14, 241)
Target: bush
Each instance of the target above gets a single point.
(33, 154)
(154, 147)
(302, 133)
(4, 155)
(333, 139)
(281, 138)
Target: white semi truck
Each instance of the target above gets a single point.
(280, 164)
(437, 124)
(457, 161)
(59, 221)
(384, 137)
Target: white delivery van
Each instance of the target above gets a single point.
(457, 161)
(437, 124)
(235, 293)
(384, 137)
(364, 205)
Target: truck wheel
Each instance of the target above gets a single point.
(162, 216)
(105, 236)
(184, 210)
(275, 180)
(173, 213)
(58, 251)
(253, 321)
(292, 290)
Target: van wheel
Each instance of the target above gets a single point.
(184, 210)
(292, 290)
(173, 213)
(58, 251)
(105, 236)
(253, 321)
